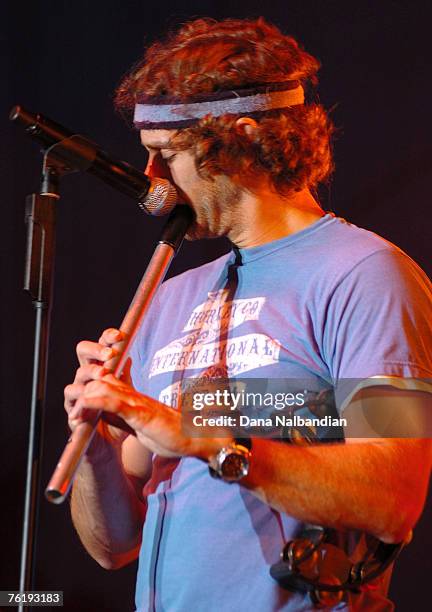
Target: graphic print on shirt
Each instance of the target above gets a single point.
(206, 346)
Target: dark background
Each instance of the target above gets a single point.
(64, 59)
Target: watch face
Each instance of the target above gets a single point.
(235, 466)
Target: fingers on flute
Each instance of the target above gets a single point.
(114, 339)
(112, 336)
(84, 400)
(79, 415)
(88, 372)
(108, 394)
(91, 352)
(84, 375)
(71, 394)
(87, 404)
(76, 414)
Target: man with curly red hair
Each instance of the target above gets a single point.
(224, 113)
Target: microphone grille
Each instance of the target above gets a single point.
(161, 198)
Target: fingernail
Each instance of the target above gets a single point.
(106, 353)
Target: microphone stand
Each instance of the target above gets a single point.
(40, 217)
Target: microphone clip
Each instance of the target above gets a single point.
(55, 165)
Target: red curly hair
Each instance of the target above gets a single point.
(291, 146)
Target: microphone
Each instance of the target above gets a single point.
(156, 196)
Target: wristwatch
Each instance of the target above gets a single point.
(232, 462)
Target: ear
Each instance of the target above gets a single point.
(246, 126)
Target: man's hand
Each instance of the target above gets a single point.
(96, 359)
(157, 426)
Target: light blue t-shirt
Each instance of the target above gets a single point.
(332, 301)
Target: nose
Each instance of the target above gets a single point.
(157, 167)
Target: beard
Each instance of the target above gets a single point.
(217, 209)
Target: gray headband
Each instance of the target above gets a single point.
(155, 113)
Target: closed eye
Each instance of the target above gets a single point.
(168, 157)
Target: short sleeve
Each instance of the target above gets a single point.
(379, 320)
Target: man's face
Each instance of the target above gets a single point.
(216, 203)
